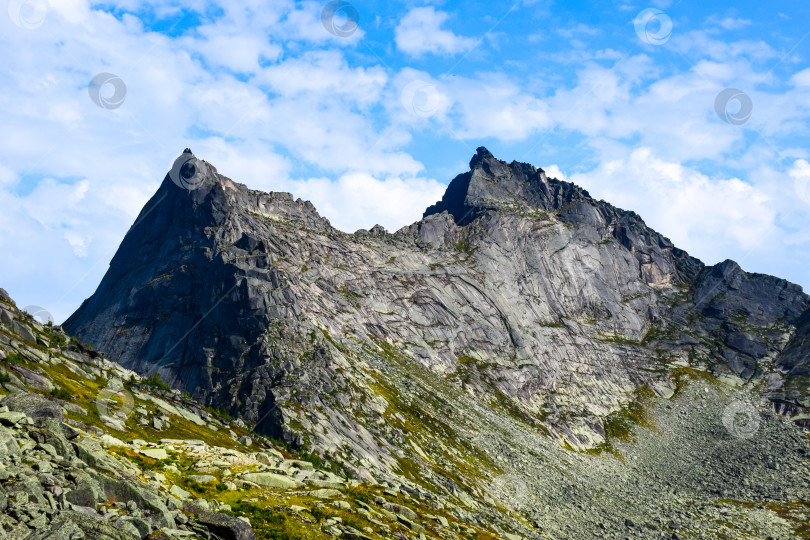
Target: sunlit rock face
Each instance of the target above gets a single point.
(517, 300)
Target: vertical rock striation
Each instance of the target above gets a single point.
(515, 286)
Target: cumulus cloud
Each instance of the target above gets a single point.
(494, 106)
(729, 23)
(360, 200)
(554, 171)
(712, 218)
(420, 32)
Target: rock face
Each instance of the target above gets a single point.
(519, 317)
(241, 298)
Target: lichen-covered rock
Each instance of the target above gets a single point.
(33, 379)
(33, 405)
(222, 525)
(271, 480)
(76, 525)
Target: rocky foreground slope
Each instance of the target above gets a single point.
(90, 450)
(539, 362)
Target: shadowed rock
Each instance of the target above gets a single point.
(224, 526)
(33, 405)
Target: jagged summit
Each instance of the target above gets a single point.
(218, 264)
(492, 183)
(519, 313)
(481, 154)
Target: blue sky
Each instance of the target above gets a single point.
(619, 97)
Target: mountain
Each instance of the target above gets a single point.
(524, 355)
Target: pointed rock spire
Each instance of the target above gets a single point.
(492, 183)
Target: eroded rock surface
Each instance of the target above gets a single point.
(520, 317)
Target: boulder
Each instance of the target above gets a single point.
(271, 480)
(28, 490)
(6, 316)
(222, 525)
(90, 451)
(113, 422)
(32, 378)
(155, 453)
(56, 435)
(324, 493)
(298, 464)
(33, 405)
(179, 492)
(8, 444)
(11, 418)
(123, 490)
(245, 440)
(400, 510)
(269, 457)
(87, 494)
(202, 478)
(74, 525)
(23, 331)
(127, 526)
(61, 529)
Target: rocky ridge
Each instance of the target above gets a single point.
(520, 334)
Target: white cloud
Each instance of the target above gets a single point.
(700, 43)
(420, 32)
(360, 201)
(553, 171)
(492, 105)
(239, 53)
(98, 167)
(7, 176)
(324, 73)
(711, 218)
(578, 31)
(728, 23)
(802, 78)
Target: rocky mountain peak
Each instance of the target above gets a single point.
(471, 353)
(495, 184)
(482, 155)
(229, 271)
